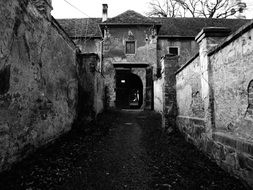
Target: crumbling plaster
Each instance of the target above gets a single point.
(38, 64)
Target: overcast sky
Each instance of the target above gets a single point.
(93, 8)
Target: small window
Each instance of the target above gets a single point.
(130, 47)
(174, 50)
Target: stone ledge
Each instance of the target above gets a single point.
(196, 120)
(245, 28)
(212, 32)
(192, 126)
(234, 142)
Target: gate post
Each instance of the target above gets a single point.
(170, 63)
(149, 99)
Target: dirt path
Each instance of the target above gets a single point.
(123, 150)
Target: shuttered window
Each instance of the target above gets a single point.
(130, 47)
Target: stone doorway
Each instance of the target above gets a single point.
(129, 90)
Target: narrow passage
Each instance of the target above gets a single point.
(122, 150)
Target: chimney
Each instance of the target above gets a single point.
(105, 12)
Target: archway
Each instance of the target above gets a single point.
(129, 90)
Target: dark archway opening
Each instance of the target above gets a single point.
(129, 90)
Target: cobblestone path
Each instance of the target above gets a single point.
(122, 150)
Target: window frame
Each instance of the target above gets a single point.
(130, 41)
(178, 50)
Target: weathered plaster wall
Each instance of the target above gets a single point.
(114, 44)
(159, 94)
(141, 72)
(99, 98)
(231, 78)
(223, 75)
(91, 87)
(187, 48)
(190, 102)
(91, 80)
(189, 98)
(38, 83)
(165, 90)
(114, 52)
(110, 84)
(89, 45)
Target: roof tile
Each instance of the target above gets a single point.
(190, 27)
(130, 17)
(84, 27)
(172, 27)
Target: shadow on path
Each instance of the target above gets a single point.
(122, 150)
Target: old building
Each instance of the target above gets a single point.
(43, 75)
(210, 97)
(130, 47)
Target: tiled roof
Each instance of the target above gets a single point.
(130, 17)
(173, 27)
(190, 27)
(84, 27)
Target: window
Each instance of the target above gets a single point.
(174, 50)
(130, 47)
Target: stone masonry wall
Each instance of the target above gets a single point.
(91, 87)
(229, 69)
(165, 90)
(91, 81)
(38, 81)
(171, 65)
(232, 77)
(190, 103)
(159, 91)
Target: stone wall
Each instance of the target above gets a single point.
(191, 111)
(91, 91)
(232, 75)
(141, 72)
(159, 92)
(89, 45)
(38, 81)
(91, 87)
(165, 90)
(214, 96)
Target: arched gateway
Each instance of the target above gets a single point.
(129, 90)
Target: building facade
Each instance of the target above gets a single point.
(130, 47)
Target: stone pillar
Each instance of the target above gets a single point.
(87, 86)
(207, 39)
(170, 66)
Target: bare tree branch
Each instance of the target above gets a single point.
(195, 8)
(164, 8)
